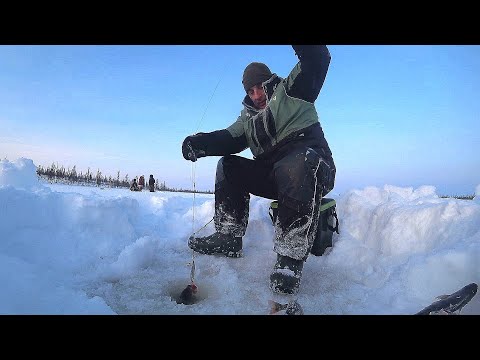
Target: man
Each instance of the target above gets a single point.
(151, 183)
(134, 186)
(292, 164)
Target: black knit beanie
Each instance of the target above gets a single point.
(255, 73)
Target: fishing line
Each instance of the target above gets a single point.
(192, 273)
(210, 100)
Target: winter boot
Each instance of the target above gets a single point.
(217, 243)
(286, 275)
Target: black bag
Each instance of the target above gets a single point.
(327, 225)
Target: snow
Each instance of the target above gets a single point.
(68, 249)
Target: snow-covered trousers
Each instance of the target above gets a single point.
(297, 180)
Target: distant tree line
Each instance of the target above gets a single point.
(55, 174)
(58, 174)
(461, 197)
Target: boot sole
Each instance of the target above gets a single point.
(231, 254)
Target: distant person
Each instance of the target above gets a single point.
(292, 163)
(134, 186)
(151, 183)
(141, 182)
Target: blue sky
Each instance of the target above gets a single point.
(394, 114)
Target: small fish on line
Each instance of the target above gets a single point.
(187, 296)
(291, 308)
(451, 304)
(192, 271)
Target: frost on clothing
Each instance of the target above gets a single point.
(299, 195)
(294, 236)
(231, 206)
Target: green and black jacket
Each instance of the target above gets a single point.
(290, 111)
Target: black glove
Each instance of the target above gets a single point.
(190, 148)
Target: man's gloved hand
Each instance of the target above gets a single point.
(190, 148)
